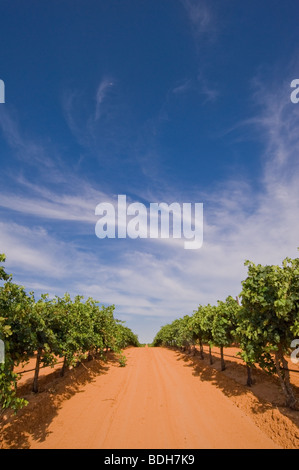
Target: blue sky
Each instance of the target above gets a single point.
(173, 101)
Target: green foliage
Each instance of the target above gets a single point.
(214, 325)
(224, 324)
(268, 320)
(125, 337)
(122, 360)
(52, 328)
(264, 325)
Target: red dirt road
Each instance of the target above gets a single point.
(155, 402)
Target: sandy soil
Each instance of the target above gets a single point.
(162, 399)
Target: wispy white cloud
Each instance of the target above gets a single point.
(67, 208)
(158, 279)
(182, 87)
(210, 93)
(77, 205)
(200, 15)
(102, 91)
(100, 122)
(278, 124)
(25, 148)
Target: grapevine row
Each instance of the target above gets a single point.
(52, 329)
(263, 324)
